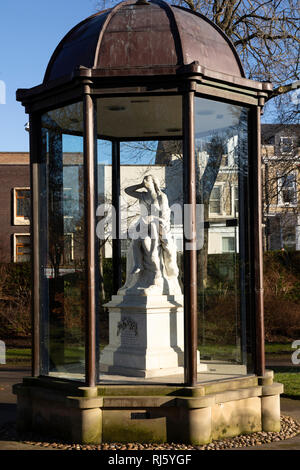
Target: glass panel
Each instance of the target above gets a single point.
(222, 174)
(62, 244)
(104, 151)
(145, 319)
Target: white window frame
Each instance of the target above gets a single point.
(281, 144)
(19, 220)
(15, 243)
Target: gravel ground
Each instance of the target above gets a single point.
(289, 428)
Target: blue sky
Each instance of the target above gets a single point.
(29, 32)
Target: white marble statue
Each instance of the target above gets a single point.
(151, 260)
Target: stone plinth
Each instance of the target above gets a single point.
(146, 336)
(143, 413)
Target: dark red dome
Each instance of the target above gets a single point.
(140, 35)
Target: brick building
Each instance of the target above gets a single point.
(14, 206)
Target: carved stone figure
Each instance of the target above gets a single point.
(151, 260)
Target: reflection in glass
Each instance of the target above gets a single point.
(221, 150)
(147, 130)
(104, 152)
(62, 244)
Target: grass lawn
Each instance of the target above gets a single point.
(290, 378)
(278, 348)
(21, 356)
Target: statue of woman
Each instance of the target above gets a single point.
(151, 259)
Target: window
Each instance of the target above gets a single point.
(235, 200)
(215, 200)
(287, 194)
(228, 245)
(21, 206)
(21, 247)
(286, 144)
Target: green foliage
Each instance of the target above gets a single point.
(278, 348)
(222, 271)
(281, 285)
(282, 295)
(18, 355)
(18, 279)
(15, 299)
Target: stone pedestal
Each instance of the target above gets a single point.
(146, 336)
(213, 410)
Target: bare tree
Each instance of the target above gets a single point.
(266, 36)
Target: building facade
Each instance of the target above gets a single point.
(281, 195)
(281, 177)
(15, 207)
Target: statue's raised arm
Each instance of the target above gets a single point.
(133, 190)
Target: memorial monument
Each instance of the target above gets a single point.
(146, 336)
(137, 72)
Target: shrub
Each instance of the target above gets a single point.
(282, 295)
(15, 299)
(281, 286)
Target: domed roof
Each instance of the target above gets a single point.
(140, 34)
